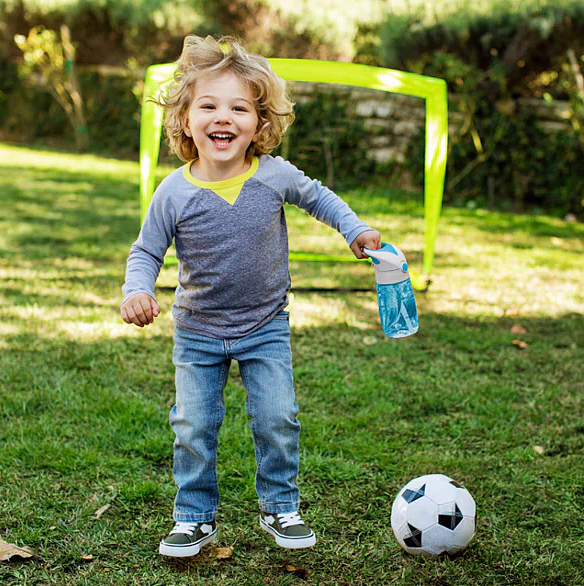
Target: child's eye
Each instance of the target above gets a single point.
(240, 109)
(208, 107)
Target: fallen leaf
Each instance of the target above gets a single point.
(520, 344)
(518, 329)
(100, 512)
(300, 572)
(369, 340)
(223, 553)
(539, 450)
(87, 557)
(8, 551)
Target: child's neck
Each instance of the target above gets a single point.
(202, 171)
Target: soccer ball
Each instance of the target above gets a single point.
(432, 515)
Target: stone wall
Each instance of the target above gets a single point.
(393, 119)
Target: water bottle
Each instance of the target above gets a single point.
(395, 294)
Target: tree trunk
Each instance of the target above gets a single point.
(78, 120)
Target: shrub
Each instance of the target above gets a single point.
(500, 155)
(327, 143)
(491, 54)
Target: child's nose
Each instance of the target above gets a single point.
(223, 116)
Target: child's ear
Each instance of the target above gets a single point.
(187, 130)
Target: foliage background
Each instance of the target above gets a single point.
(492, 53)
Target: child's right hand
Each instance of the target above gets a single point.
(140, 309)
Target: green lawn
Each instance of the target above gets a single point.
(84, 398)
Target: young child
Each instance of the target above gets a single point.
(225, 112)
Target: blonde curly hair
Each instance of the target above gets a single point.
(200, 57)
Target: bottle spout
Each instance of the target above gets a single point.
(390, 264)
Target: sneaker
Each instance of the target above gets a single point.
(288, 529)
(186, 539)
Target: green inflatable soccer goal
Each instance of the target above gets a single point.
(431, 89)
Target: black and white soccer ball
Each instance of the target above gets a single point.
(433, 515)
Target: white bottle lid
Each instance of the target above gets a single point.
(390, 264)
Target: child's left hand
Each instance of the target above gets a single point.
(368, 239)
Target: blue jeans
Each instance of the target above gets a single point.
(202, 366)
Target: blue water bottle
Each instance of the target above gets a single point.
(395, 294)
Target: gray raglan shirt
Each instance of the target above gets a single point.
(233, 259)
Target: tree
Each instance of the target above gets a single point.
(49, 62)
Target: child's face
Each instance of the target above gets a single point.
(222, 121)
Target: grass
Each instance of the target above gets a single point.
(84, 398)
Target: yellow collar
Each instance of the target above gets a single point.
(229, 189)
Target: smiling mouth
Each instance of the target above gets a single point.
(221, 138)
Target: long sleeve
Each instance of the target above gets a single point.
(321, 203)
(147, 253)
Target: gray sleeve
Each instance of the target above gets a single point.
(147, 253)
(320, 202)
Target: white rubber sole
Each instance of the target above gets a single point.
(185, 551)
(288, 542)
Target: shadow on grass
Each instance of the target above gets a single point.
(49, 214)
(86, 423)
(501, 223)
(450, 367)
(404, 203)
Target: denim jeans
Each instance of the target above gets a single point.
(202, 366)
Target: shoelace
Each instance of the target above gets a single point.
(289, 519)
(186, 528)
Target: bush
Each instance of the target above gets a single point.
(152, 31)
(526, 36)
(327, 143)
(526, 168)
(500, 155)
(112, 113)
(491, 54)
